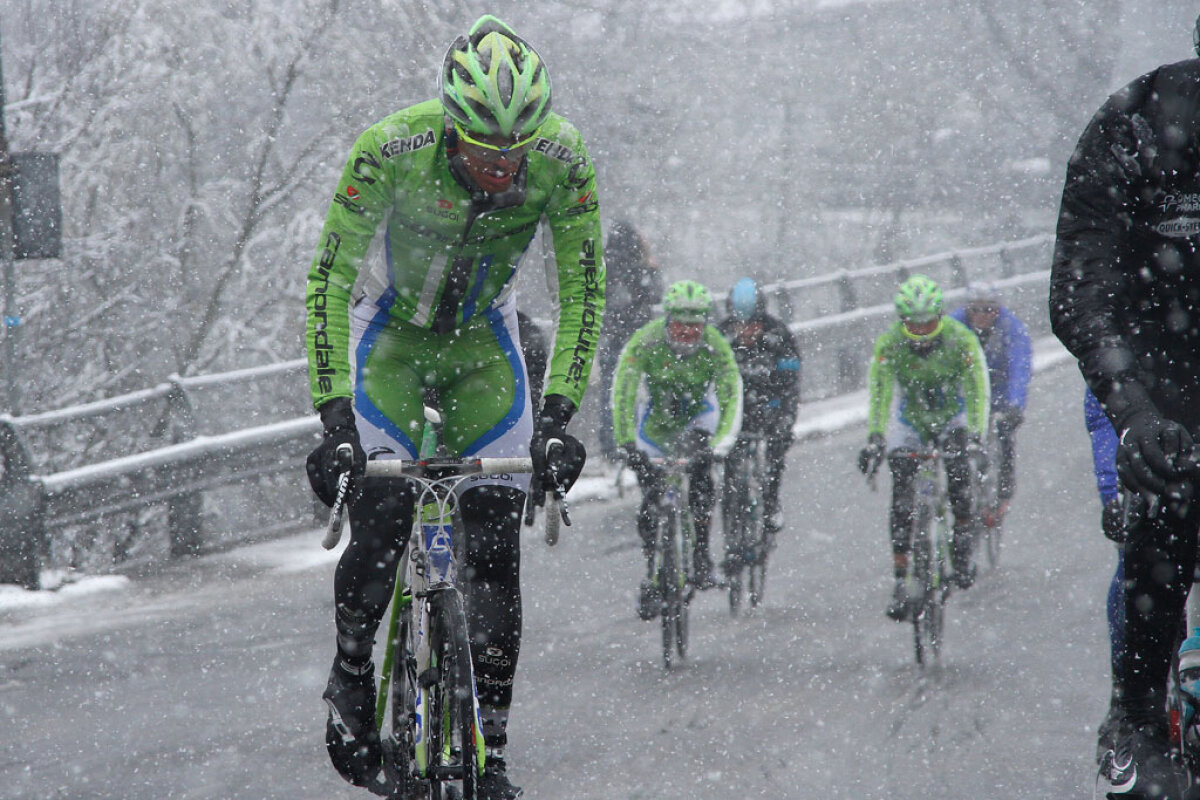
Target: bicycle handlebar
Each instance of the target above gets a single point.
(670, 461)
(404, 468)
(556, 511)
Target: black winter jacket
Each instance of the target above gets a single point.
(770, 369)
(1125, 280)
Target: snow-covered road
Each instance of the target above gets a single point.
(204, 681)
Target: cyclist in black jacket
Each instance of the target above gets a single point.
(769, 362)
(1125, 300)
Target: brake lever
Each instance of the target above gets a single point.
(535, 486)
(344, 455)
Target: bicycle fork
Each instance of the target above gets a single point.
(435, 568)
(669, 508)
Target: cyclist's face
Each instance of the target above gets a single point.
(747, 334)
(919, 330)
(982, 317)
(492, 161)
(685, 333)
(684, 337)
(922, 334)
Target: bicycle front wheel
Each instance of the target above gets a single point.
(926, 595)
(671, 580)
(758, 577)
(929, 623)
(456, 750)
(734, 518)
(993, 546)
(988, 498)
(399, 746)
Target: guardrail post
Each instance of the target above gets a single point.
(784, 307)
(23, 536)
(185, 512)
(1006, 263)
(849, 366)
(956, 269)
(846, 293)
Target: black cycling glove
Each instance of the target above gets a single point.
(337, 415)
(977, 453)
(1008, 419)
(637, 461)
(870, 456)
(558, 457)
(1148, 451)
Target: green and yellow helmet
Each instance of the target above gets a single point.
(919, 299)
(493, 83)
(687, 301)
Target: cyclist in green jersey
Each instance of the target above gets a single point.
(453, 190)
(942, 376)
(677, 390)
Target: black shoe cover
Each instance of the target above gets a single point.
(350, 732)
(495, 785)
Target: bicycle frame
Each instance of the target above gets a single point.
(986, 496)
(675, 502)
(989, 483)
(673, 552)
(428, 573)
(927, 583)
(746, 546)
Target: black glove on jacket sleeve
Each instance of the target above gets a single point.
(337, 416)
(1148, 451)
(870, 456)
(558, 457)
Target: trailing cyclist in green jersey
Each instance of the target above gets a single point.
(940, 370)
(677, 391)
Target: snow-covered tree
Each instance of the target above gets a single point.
(198, 143)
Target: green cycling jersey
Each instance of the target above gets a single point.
(934, 386)
(677, 385)
(450, 254)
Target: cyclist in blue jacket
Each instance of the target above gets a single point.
(1104, 463)
(1009, 352)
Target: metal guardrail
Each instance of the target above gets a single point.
(71, 474)
(89, 476)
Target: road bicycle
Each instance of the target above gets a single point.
(991, 529)
(674, 540)
(927, 584)
(929, 571)
(748, 541)
(427, 708)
